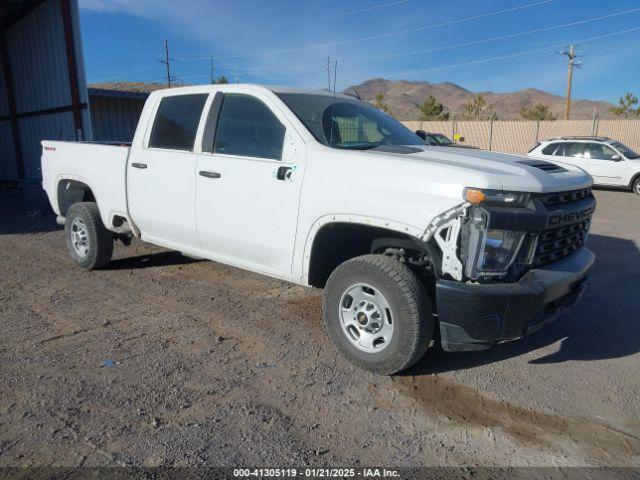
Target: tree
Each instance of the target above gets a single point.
(379, 102)
(538, 112)
(477, 109)
(221, 79)
(626, 106)
(433, 110)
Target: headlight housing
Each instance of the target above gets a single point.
(490, 252)
(499, 251)
(477, 196)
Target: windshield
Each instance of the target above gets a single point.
(626, 151)
(348, 124)
(440, 139)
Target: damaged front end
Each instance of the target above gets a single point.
(494, 235)
(509, 262)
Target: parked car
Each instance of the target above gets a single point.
(609, 162)
(328, 191)
(440, 140)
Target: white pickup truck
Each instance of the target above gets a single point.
(326, 191)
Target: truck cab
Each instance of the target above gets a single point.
(324, 190)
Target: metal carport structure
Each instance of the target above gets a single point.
(43, 90)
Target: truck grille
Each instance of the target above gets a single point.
(556, 243)
(565, 197)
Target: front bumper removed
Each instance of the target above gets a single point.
(477, 316)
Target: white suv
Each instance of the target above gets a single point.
(609, 162)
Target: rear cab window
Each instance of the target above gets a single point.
(176, 122)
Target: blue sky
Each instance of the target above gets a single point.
(487, 45)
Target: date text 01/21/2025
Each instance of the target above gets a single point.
(315, 473)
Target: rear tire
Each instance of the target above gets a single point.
(89, 242)
(378, 313)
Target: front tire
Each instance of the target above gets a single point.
(89, 242)
(378, 313)
(635, 186)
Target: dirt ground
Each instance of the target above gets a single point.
(164, 360)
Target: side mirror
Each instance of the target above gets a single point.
(616, 157)
(422, 134)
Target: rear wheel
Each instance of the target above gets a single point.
(89, 242)
(378, 314)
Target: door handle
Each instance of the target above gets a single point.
(139, 165)
(284, 173)
(209, 174)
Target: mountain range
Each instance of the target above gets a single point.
(403, 98)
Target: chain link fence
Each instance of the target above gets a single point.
(520, 136)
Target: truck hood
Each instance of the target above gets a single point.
(484, 169)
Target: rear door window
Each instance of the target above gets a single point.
(550, 149)
(571, 149)
(247, 127)
(177, 121)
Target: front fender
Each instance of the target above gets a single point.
(371, 221)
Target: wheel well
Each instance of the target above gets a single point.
(72, 191)
(336, 243)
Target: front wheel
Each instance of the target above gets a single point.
(89, 242)
(378, 314)
(635, 186)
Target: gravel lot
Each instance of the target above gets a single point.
(165, 360)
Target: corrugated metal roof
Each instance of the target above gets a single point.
(144, 87)
(100, 92)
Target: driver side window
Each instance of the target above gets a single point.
(247, 127)
(598, 151)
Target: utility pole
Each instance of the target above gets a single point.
(213, 78)
(329, 72)
(571, 54)
(167, 62)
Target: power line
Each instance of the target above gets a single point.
(341, 14)
(449, 47)
(130, 72)
(512, 55)
(375, 37)
(493, 39)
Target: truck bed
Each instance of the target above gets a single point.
(99, 165)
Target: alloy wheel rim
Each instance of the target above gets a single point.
(366, 318)
(80, 237)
